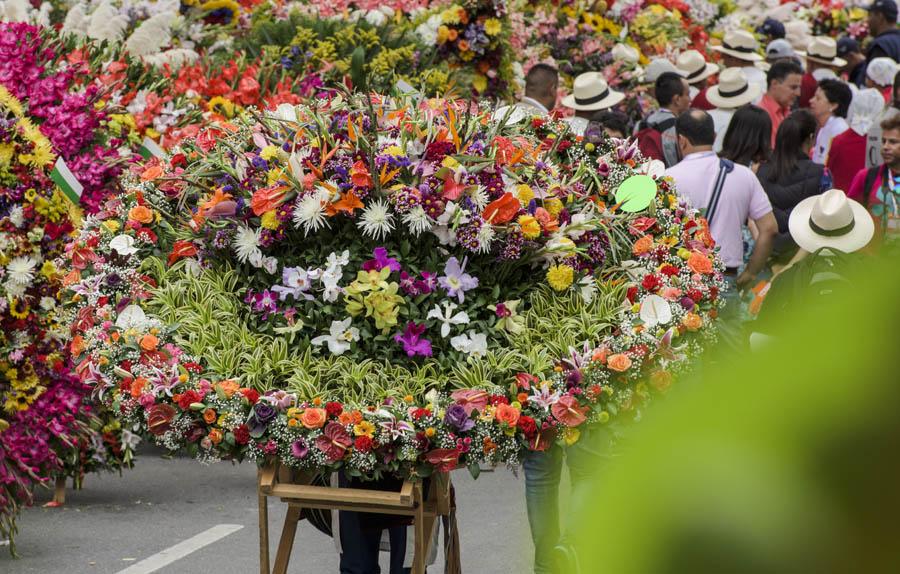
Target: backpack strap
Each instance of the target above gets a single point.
(725, 167)
(664, 125)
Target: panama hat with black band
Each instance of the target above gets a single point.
(694, 68)
(741, 44)
(823, 50)
(831, 220)
(733, 90)
(591, 92)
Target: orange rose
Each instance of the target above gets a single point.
(137, 387)
(345, 418)
(313, 418)
(506, 414)
(141, 214)
(700, 263)
(619, 362)
(229, 387)
(151, 173)
(356, 417)
(661, 380)
(692, 321)
(642, 245)
(216, 436)
(209, 416)
(149, 342)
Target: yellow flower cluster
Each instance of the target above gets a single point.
(25, 387)
(386, 61)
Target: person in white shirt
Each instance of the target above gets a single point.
(829, 106)
(732, 92)
(590, 94)
(740, 49)
(541, 84)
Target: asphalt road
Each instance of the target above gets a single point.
(116, 522)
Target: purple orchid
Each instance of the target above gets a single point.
(408, 284)
(381, 261)
(427, 284)
(412, 342)
(455, 280)
(263, 302)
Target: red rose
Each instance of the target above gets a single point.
(564, 145)
(631, 294)
(696, 295)
(333, 409)
(159, 418)
(179, 159)
(242, 435)
(363, 444)
(527, 425)
(651, 282)
(252, 395)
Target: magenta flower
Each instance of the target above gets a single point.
(412, 342)
(381, 261)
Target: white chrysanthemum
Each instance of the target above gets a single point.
(309, 213)
(20, 270)
(376, 220)
(479, 197)
(246, 244)
(486, 235)
(48, 303)
(417, 220)
(17, 216)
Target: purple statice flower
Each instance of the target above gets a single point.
(262, 302)
(512, 248)
(455, 280)
(412, 342)
(381, 261)
(457, 417)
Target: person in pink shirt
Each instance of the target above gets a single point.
(783, 80)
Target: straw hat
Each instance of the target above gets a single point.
(741, 44)
(831, 220)
(823, 50)
(656, 68)
(591, 92)
(733, 90)
(693, 67)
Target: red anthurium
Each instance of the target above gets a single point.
(502, 210)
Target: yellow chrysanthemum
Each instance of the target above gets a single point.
(269, 152)
(269, 220)
(553, 205)
(492, 26)
(10, 102)
(560, 277)
(524, 193)
(531, 229)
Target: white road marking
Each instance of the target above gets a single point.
(182, 549)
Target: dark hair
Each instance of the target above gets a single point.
(891, 123)
(837, 92)
(793, 131)
(697, 126)
(781, 70)
(668, 85)
(749, 136)
(541, 79)
(613, 120)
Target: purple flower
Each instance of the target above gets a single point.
(381, 261)
(455, 280)
(457, 417)
(259, 421)
(502, 310)
(412, 343)
(408, 284)
(299, 448)
(263, 302)
(427, 284)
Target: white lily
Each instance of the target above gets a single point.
(340, 336)
(447, 318)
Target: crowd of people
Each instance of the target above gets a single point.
(793, 154)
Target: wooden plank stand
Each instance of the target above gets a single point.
(296, 490)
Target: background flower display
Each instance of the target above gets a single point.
(372, 285)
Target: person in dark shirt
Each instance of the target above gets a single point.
(883, 28)
(855, 68)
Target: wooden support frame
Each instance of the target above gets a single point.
(297, 491)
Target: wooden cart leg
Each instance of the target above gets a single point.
(419, 558)
(59, 493)
(286, 544)
(264, 535)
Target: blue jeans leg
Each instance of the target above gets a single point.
(542, 475)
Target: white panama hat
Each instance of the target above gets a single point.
(741, 44)
(831, 220)
(591, 92)
(733, 90)
(693, 67)
(823, 50)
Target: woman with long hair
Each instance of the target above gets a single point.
(790, 176)
(747, 140)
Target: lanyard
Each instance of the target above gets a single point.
(890, 191)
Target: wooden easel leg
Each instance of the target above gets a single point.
(59, 493)
(286, 544)
(418, 566)
(264, 535)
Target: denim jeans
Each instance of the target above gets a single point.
(543, 470)
(732, 335)
(360, 542)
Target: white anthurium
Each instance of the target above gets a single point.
(447, 318)
(654, 168)
(655, 311)
(339, 338)
(131, 317)
(588, 288)
(123, 245)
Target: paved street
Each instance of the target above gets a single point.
(116, 522)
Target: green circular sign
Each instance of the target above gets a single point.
(636, 193)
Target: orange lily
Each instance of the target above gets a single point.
(348, 204)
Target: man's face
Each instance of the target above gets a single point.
(890, 147)
(874, 19)
(786, 92)
(681, 102)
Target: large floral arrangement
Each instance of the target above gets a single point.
(47, 426)
(385, 286)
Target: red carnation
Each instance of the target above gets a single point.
(242, 435)
(363, 444)
(252, 395)
(185, 399)
(334, 409)
(421, 413)
(631, 294)
(527, 425)
(499, 400)
(669, 270)
(696, 295)
(651, 282)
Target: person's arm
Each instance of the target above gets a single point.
(768, 229)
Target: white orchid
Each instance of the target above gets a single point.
(297, 281)
(340, 336)
(472, 344)
(447, 318)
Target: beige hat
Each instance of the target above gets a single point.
(693, 67)
(741, 44)
(823, 50)
(733, 90)
(831, 220)
(591, 92)
(656, 68)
